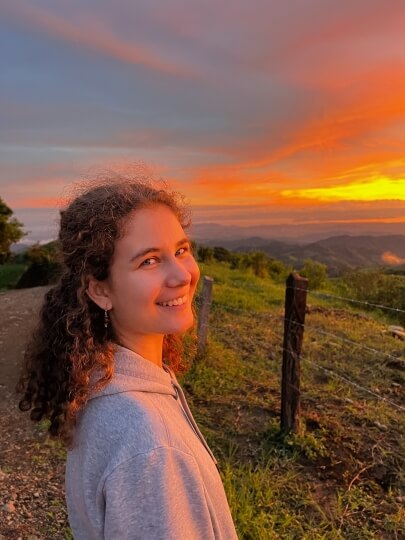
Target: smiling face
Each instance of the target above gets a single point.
(152, 281)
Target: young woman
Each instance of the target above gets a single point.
(101, 367)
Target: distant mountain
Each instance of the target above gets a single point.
(339, 253)
(21, 247)
(301, 233)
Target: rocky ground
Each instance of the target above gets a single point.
(32, 503)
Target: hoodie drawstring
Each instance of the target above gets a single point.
(187, 412)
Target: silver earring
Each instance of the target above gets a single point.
(106, 320)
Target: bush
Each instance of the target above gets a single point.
(10, 273)
(259, 263)
(44, 268)
(11, 231)
(375, 287)
(278, 270)
(38, 254)
(205, 254)
(315, 272)
(221, 254)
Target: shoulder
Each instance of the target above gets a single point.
(121, 425)
(161, 473)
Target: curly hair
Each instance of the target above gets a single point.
(70, 344)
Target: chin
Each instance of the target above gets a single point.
(180, 328)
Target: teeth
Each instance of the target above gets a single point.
(174, 302)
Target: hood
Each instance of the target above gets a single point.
(132, 372)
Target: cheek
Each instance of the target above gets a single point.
(129, 290)
(194, 271)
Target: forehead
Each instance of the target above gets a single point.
(156, 226)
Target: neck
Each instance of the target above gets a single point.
(149, 349)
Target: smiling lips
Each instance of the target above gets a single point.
(175, 302)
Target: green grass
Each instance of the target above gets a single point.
(10, 273)
(342, 475)
(242, 290)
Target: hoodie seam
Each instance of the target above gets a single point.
(133, 373)
(161, 418)
(152, 450)
(116, 387)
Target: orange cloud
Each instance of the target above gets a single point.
(390, 258)
(22, 191)
(91, 38)
(375, 102)
(325, 153)
(356, 220)
(43, 202)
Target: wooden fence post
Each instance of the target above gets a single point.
(295, 304)
(202, 328)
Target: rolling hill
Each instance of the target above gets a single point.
(339, 253)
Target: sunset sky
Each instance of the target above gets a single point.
(260, 112)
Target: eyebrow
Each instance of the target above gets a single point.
(154, 249)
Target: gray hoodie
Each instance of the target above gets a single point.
(140, 467)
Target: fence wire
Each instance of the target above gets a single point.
(352, 300)
(346, 380)
(355, 384)
(282, 319)
(347, 340)
(271, 316)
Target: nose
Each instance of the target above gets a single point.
(178, 275)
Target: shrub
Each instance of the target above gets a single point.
(205, 254)
(44, 267)
(375, 287)
(221, 254)
(315, 272)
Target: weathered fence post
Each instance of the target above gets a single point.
(294, 319)
(202, 328)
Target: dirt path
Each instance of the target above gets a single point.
(32, 502)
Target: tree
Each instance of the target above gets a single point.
(11, 230)
(221, 254)
(205, 254)
(315, 272)
(236, 260)
(376, 287)
(41, 254)
(44, 267)
(278, 270)
(259, 262)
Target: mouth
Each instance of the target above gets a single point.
(175, 302)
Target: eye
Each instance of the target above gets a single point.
(147, 262)
(183, 250)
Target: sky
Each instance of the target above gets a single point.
(260, 112)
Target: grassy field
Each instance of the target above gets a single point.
(10, 274)
(343, 476)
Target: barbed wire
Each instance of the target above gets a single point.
(356, 385)
(347, 340)
(345, 299)
(319, 295)
(344, 379)
(281, 318)
(351, 342)
(245, 311)
(340, 298)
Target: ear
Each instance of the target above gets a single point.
(98, 291)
